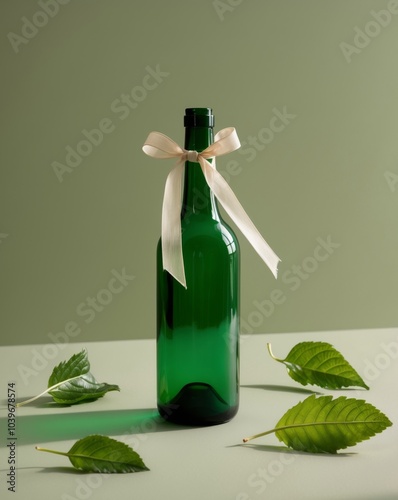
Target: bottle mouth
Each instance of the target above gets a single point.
(199, 117)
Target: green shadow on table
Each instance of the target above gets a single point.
(39, 429)
(281, 388)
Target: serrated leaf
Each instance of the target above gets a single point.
(75, 390)
(83, 388)
(319, 363)
(102, 454)
(76, 365)
(71, 382)
(324, 425)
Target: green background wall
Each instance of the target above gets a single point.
(328, 174)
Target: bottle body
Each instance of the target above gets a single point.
(198, 327)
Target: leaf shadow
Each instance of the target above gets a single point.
(75, 472)
(281, 388)
(48, 402)
(42, 402)
(40, 469)
(61, 469)
(285, 449)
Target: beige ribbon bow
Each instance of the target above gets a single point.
(158, 145)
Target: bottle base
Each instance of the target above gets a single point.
(197, 404)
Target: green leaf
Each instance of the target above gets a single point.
(74, 390)
(102, 454)
(324, 425)
(84, 388)
(71, 382)
(319, 363)
(75, 366)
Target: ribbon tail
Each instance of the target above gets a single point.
(173, 260)
(234, 209)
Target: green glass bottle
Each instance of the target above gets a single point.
(198, 327)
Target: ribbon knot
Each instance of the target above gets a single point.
(158, 145)
(192, 156)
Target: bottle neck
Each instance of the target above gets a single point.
(197, 196)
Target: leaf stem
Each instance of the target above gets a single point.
(52, 451)
(255, 436)
(308, 424)
(272, 355)
(23, 403)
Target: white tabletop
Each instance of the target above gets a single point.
(208, 463)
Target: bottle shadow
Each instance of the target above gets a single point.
(39, 429)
